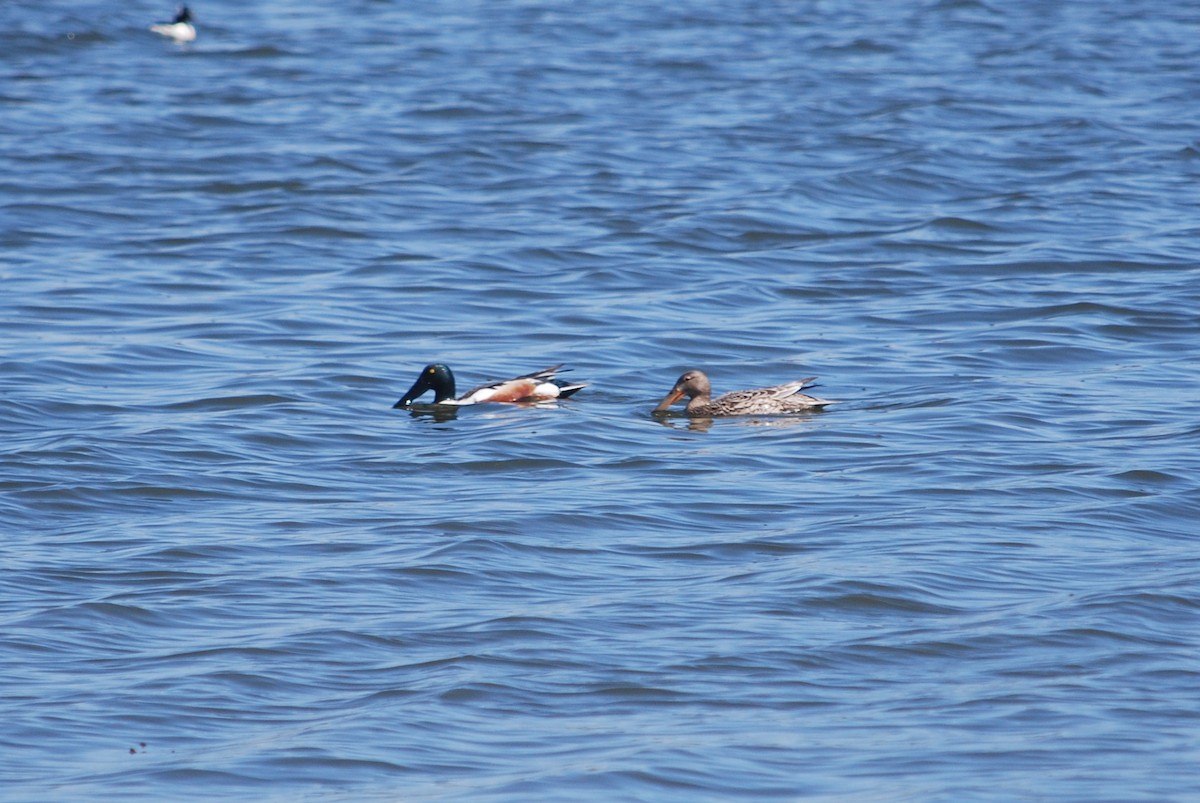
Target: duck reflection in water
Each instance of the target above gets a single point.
(704, 424)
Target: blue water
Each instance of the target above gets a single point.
(231, 570)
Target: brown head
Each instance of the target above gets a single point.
(693, 384)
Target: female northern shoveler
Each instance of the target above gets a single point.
(785, 398)
(180, 29)
(538, 386)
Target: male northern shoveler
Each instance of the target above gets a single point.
(785, 398)
(180, 29)
(535, 387)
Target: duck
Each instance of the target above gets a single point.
(180, 29)
(528, 388)
(775, 400)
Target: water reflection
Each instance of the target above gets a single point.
(702, 424)
(441, 413)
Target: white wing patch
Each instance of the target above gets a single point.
(547, 390)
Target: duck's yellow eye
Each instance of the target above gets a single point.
(432, 371)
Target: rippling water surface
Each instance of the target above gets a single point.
(232, 570)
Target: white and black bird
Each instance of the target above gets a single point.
(180, 29)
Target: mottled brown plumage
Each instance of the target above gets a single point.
(776, 400)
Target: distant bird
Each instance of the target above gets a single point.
(180, 29)
(779, 399)
(535, 387)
